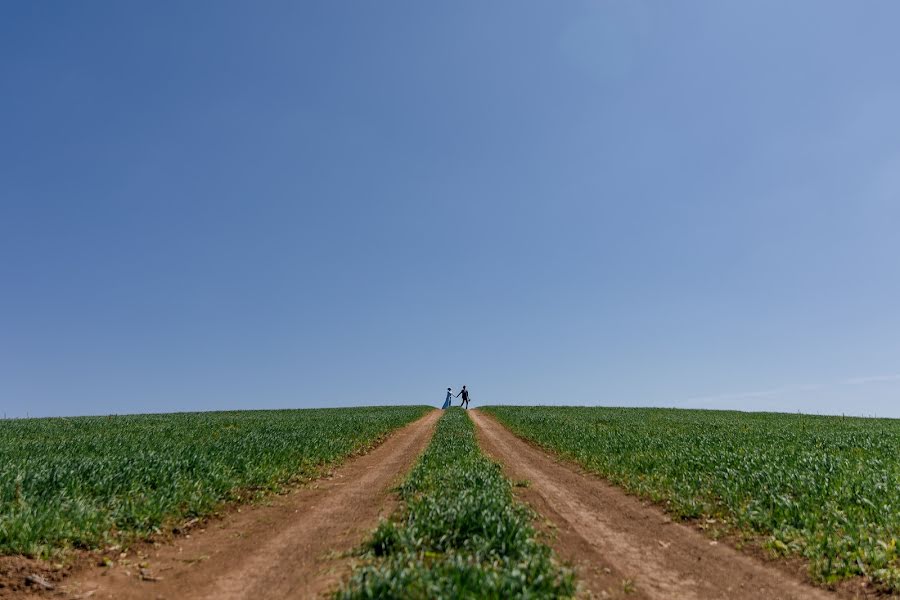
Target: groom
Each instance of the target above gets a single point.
(465, 396)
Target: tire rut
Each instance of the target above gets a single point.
(293, 547)
(623, 547)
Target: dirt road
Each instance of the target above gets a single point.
(623, 547)
(287, 549)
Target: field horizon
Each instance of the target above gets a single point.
(437, 405)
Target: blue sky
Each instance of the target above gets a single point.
(259, 205)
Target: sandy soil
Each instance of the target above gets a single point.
(295, 546)
(623, 547)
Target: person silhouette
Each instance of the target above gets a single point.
(447, 401)
(465, 396)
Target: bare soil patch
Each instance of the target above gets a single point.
(19, 574)
(623, 547)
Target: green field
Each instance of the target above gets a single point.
(825, 488)
(460, 535)
(88, 481)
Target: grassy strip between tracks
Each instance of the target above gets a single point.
(461, 534)
(825, 488)
(89, 481)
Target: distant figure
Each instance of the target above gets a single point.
(465, 397)
(447, 401)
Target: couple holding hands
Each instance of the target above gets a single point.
(465, 398)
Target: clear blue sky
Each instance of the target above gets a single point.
(261, 204)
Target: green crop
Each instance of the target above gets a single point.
(84, 482)
(460, 535)
(825, 488)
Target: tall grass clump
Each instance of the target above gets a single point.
(89, 481)
(824, 488)
(461, 533)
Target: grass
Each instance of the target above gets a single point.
(90, 481)
(824, 488)
(460, 535)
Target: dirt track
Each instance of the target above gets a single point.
(625, 548)
(292, 547)
(288, 549)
